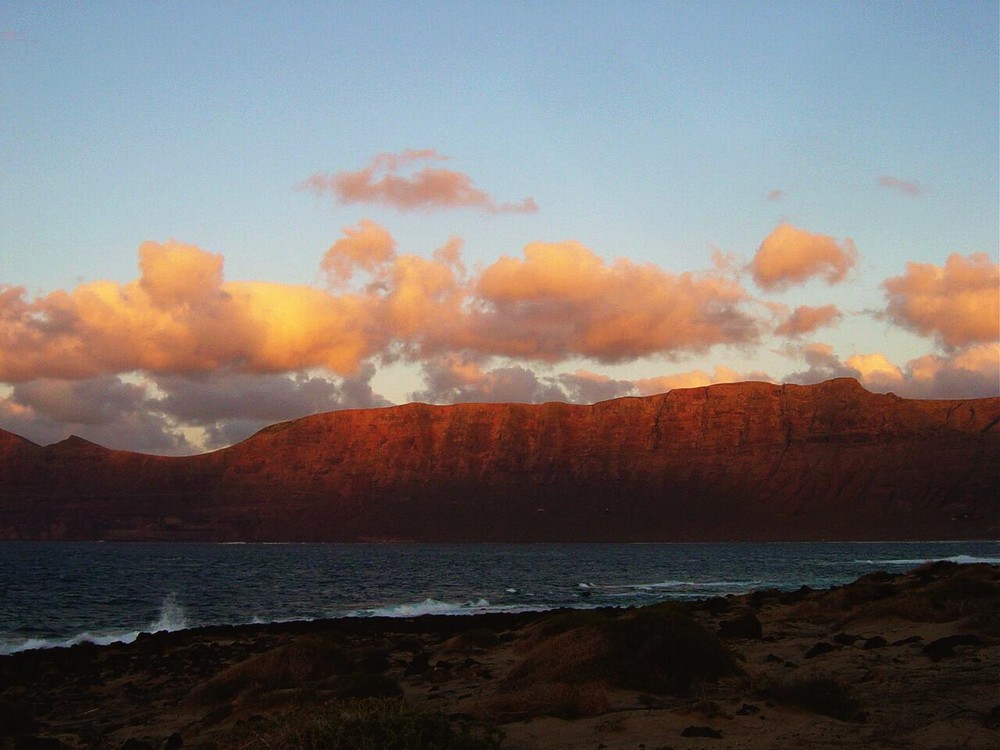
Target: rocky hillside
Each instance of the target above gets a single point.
(744, 461)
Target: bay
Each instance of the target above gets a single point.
(60, 593)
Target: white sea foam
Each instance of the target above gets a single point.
(437, 607)
(960, 559)
(171, 617)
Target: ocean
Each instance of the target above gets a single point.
(56, 594)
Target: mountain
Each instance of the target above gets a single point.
(741, 461)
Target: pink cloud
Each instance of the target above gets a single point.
(971, 372)
(427, 188)
(695, 379)
(561, 299)
(365, 248)
(791, 256)
(805, 319)
(908, 187)
(958, 303)
(182, 316)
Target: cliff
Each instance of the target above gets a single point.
(746, 461)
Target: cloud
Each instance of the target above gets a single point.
(366, 248)
(563, 300)
(967, 373)
(791, 256)
(585, 387)
(231, 406)
(106, 410)
(958, 304)
(775, 195)
(695, 379)
(455, 379)
(805, 319)
(908, 187)
(169, 413)
(428, 188)
(180, 316)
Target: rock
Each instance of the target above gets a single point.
(693, 731)
(945, 647)
(875, 642)
(820, 648)
(907, 641)
(420, 663)
(762, 461)
(746, 626)
(173, 742)
(134, 744)
(748, 709)
(39, 743)
(846, 640)
(717, 605)
(375, 661)
(794, 597)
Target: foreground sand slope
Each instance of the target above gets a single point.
(905, 661)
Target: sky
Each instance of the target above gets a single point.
(215, 216)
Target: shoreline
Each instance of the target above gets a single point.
(869, 644)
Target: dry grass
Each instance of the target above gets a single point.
(293, 667)
(364, 725)
(572, 661)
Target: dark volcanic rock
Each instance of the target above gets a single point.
(945, 647)
(750, 461)
(693, 731)
(745, 626)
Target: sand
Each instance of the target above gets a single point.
(890, 661)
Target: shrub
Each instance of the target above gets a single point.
(822, 695)
(561, 699)
(656, 649)
(287, 666)
(663, 651)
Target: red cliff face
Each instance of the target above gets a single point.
(749, 461)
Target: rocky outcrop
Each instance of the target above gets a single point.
(747, 461)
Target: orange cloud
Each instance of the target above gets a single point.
(909, 187)
(365, 248)
(805, 319)
(968, 373)
(182, 316)
(561, 299)
(959, 303)
(790, 256)
(695, 379)
(428, 188)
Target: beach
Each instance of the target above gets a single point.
(907, 660)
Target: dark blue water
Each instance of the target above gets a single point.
(59, 593)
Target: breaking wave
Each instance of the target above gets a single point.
(171, 618)
(960, 559)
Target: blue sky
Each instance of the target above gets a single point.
(656, 132)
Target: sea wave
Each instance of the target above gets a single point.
(438, 607)
(960, 559)
(171, 618)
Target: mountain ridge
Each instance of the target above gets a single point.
(750, 460)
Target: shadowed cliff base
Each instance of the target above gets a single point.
(742, 461)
